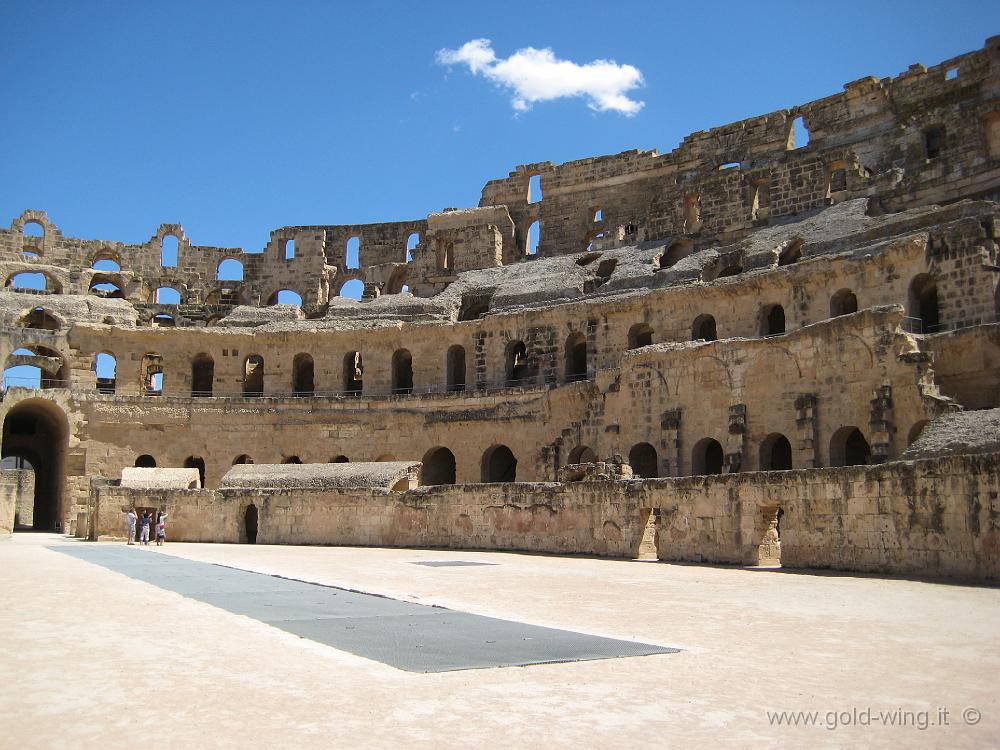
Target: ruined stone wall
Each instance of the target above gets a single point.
(927, 518)
(17, 498)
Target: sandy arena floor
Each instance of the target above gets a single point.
(92, 658)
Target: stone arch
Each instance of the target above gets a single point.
(707, 457)
(644, 461)
(499, 464)
(704, 328)
(582, 454)
(640, 335)
(303, 375)
(772, 320)
(145, 461)
(438, 467)
(402, 371)
(923, 304)
(676, 252)
(849, 447)
(353, 373)
(775, 453)
(29, 279)
(196, 462)
(253, 375)
(843, 302)
(455, 374)
(41, 319)
(38, 431)
(519, 369)
(576, 357)
(202, 375)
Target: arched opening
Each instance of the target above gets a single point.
(33, 281)
(790, 253)
(676, 252)
(775, 453)
(242, 460)
(411, 244)
(438, 467)
(285, 297)
(534, 188)
(38, 432)
(533, 238)
(643, 460)
(33, 228)
(145, 461)
(196, 462)
(40, 319)
(704, 329)
(473, 309)
(576, 357)
(707, 457)
(106, 370)
(35, 366)
(798, 134)
(224, 295)
(352, 253)
(202, 375)
(772, 320)
(923, 303)
(640, 335)
(167, 295)
(582, 454)
(302, 375)
(107, 286)
(402, 371)
(843, 303)
(151, 372)
(455, 366)
(253, 376)
(353, 289)
(292, 460)
(499, 465)
(518, 369)
(848, 447)
(229, 270)
(353, 373)
(915, 431)
(731, 268)
(163, 321)
(169, 247)
(340, 460)
(250, 519)
(290, 249)
(106, 263)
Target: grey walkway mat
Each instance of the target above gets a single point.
(414, 637)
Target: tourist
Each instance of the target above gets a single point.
(144, 534)
(131, 518)
(161, 528)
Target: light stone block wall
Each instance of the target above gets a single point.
(17, 498)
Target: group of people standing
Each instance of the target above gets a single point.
(144, 524)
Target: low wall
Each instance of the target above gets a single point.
(17, 498)
(930, 518)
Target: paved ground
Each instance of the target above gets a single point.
(92, 658)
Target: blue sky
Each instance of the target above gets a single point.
(234, 118)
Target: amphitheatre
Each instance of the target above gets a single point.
(746, 350)
(733, 409)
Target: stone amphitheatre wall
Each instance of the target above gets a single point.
(926, 518)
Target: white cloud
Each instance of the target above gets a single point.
(537, 75)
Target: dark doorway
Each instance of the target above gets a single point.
(775, 453)
(499, 465)
(643, 460)
(704, 329)
(250, 522)
(302, 375)
(438, 467)
(773, 321)
(402, 372)
(196, 462)
(707, 457)
(576, 357)
(848, 447)
(456, 368)
(202, 375)
(923, 303)
(37, 431)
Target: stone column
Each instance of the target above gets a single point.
(805, 420)
(881, 423)
(736, 444)
(670, 423)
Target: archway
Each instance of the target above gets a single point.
(704, 328)
(499, 465)
(848, 447)
(643, 460)
(402, 372)
(438, 467)
(923, 303)
(707, 457)
(37, 431)
(576, 357)
(196, 462)
(640, 335)
(455, 366)
(582, 454)
(772, 320)
(843, 302)
(303, 370)
(250, 519)
(775, 453)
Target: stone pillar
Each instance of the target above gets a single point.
(881, 423)
(805, 420)
(736, 444)
(670, 423)
(479, 360)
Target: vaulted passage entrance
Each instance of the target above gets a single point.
(36, 430)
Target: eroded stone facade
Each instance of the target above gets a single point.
(742, 304)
